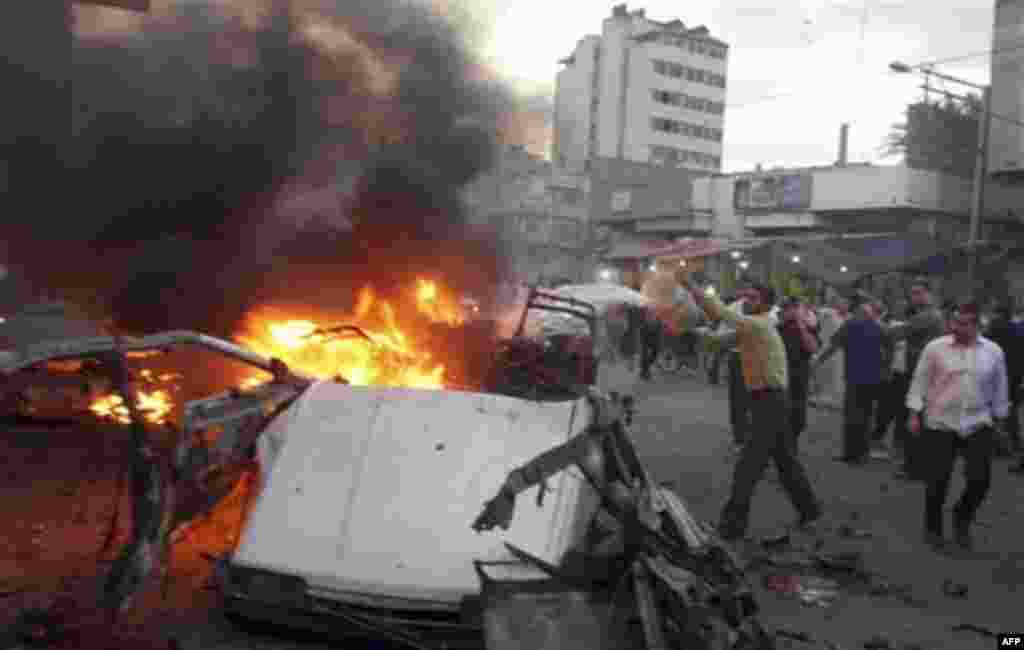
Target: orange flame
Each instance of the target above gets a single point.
(391, 357)
(155, 406)
(155, 399)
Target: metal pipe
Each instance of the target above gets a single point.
(12, 361)
(844, 141)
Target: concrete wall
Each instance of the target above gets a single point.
(852, 188)
(538, 211)
(1006, 150)
(713, 196)
(575, 87)
(653, 191)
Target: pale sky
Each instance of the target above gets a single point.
(794, 73)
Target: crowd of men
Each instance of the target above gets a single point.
(945, 385)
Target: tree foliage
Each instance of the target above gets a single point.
(938, 135)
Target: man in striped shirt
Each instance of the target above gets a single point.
(960, 387)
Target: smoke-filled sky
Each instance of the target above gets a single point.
(800, 66)
(173, 174)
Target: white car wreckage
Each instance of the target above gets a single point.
(368, 523)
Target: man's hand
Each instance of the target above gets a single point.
(497, 512)
(914, 424)
(1002, 435)
(697, 294)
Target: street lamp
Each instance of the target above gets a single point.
(978, 186)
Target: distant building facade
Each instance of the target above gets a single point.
(540, 213)
(643, 91)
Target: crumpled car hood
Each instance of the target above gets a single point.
(371, 490)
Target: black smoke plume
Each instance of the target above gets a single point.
(152, 185)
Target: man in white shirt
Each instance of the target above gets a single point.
(960, 386)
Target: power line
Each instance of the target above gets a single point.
(1019, 45)
(994, 116)
(792, 93)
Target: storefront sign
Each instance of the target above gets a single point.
(777, 192)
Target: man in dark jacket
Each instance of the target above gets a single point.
(864, 342)
(1009, 336)
(925, 324)
(802, 342)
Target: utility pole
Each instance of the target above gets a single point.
(978, 196)
(980, 165)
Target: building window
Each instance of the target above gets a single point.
(673, 157)
(685, 128)
(678, 71)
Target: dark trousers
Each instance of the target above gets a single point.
(715, 367)
(798, 389)
(739, 401)
(651, 346)
(892, 408)
(859, 402)
(1013, 419)
(771, 439)
(941, 448)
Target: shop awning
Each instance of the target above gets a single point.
(694, 248)
(688, 248)
(637, 249)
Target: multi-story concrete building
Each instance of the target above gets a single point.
(642, 91)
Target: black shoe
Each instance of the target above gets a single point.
(963, 537)
(730, 533)
(906, 475)
(851, 460)
(1018, 468)
(935, 541)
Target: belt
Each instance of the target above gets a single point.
(971, 431)
(761, 392)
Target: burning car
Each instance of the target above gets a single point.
(360, 523)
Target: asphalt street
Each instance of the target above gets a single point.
(682, 435)
(682, 432)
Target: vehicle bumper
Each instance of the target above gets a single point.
(342, 621)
